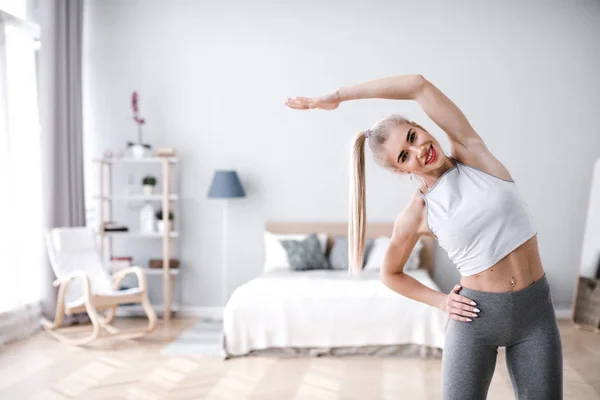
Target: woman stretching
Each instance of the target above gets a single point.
(470, 204)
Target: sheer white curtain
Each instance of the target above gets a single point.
(21, 220)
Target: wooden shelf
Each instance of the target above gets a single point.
(131, 160)
(159, 271)
(141, 234)
(142, 197)
(151, 271)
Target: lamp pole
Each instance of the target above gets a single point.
(224, 255)
(225, 185)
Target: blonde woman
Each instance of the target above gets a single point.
(470, 204)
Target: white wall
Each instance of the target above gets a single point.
(213, 77)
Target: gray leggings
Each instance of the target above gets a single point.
(522, 321)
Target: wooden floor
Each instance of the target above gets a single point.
(40, 368)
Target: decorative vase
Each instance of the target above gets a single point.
(148, 190)
(147, 219)
(138, 151)
(161, 225)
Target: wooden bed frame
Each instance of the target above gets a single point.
(333, 229)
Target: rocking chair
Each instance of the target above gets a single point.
(85, 286)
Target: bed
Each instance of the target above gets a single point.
(328, 312)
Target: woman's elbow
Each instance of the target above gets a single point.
(389, 275)
(419, 79)
(420, 83)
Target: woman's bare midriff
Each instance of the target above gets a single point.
(522, 266)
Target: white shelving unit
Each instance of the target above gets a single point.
(167, 197)
(150, 197)
(141, 234)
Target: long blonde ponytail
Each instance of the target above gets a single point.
(358, 214)
(378, 135)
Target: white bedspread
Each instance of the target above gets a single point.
(284, 308)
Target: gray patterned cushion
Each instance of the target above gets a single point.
(305, 254)
(338, 257)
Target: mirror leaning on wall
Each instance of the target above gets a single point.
(586, 299)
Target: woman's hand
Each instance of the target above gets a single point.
(327, 102)
(459, 307)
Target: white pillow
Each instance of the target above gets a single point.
(377, 254)
(275, 254)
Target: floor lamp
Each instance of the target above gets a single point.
(225, 185)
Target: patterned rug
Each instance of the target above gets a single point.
(203, 339)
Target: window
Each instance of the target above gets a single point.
(21, 221)
(17, 8)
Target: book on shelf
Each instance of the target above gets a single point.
(165, 152)
(119, 263)
(114, 227)
(158, 263)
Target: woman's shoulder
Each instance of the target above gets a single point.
(478, 157)
(413, 211)
(412, 219)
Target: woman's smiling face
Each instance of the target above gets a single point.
(410, 148)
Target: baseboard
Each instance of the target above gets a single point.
(202, 312)
(563, 313)
(215, 313)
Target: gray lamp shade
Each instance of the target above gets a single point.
(225, 185)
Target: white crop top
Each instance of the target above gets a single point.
(477, 218)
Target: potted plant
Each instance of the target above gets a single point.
(160, 224)
(138, 149)
(148, 182)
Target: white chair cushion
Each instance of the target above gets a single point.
(73, 250)
(112, 293)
